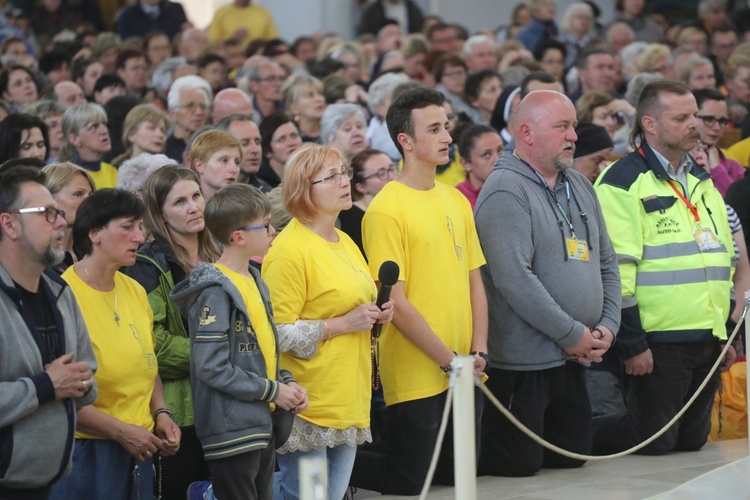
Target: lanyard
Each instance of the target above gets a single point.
(693, 209)
(554, 196)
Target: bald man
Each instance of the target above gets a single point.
(233, 101)
(553, 291)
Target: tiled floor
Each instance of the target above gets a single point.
(677, 476)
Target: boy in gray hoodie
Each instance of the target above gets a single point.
(234, 366)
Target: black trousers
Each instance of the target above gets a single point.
(400, 466)
(553, 403)
(654, 399)
(248, 476)
(178, 471)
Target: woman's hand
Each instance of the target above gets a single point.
(362, 317)
(139, 442)
(170, 434)
(386, 315)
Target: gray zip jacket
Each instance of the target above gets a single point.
(227, 369)
(540, 299)
(37, 431)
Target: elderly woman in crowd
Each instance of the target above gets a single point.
(84, 127)
(23, 136)
(371, 170)
(343, 126)
(698, 73)
(118, 436)
(304, 101)
(18, 86)
(323, 299)
(132, 174)
(50, 112)
(615, 115)
(216, 157)
(479, 147)
(144, 131)
(174, 220)
(69, 185)
(279, 138)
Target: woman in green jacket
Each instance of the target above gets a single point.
(174, 219)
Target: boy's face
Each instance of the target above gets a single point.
(431, 139)
(259, 237)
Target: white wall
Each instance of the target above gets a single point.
(303, 17)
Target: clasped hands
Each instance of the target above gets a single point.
(593, 344)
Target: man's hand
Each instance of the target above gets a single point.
(169, 432)
(588, 348)
(640, 364)
(70, 379)
(729, 358)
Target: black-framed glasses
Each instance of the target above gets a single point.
(50, 213)
(335, 178)
(268, 227)
(709, 120)
(382, 173)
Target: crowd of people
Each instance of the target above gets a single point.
(193, 225)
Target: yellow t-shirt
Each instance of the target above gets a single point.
(127, 364)
(313, 279)
(255, 19)
(258, 317)
(432, 237)
(106, 177)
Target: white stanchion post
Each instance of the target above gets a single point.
(313, 479)
(464, 433)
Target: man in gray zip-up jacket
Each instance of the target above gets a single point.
(553, 290)
(46, 358)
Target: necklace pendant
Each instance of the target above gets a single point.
(117, 319)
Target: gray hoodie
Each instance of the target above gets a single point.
(539, 299)
(227, 369)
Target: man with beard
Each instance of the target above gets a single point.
(244, 129)
(552, 287)
(674, 248)
(46, 359)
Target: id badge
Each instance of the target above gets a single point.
(706, 239)
(577, 250)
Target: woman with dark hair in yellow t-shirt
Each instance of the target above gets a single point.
(118, 436)
(323, 302)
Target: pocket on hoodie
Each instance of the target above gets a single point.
(6, 448)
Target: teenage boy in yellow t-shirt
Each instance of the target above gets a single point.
(441, 309)
(234, 369)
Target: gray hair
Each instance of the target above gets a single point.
(74, 119)
(132, 174)
(334, 116)
(162, 78)
(44, 108)
(382, 88)
(477, 40)
(188, 82)
(636, 84)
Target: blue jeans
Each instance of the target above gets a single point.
(340, 462)
(104, 469)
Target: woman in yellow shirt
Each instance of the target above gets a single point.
(323, 302)
(118, 436)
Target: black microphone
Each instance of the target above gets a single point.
(388, 276)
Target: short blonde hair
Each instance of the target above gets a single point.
(209, 142)
(59, 175)
(296, 182)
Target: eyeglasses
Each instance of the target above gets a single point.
(192, 106)
(335, 178)
(382, 173)
(709, 120)
(268, 227)
(50, 213)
